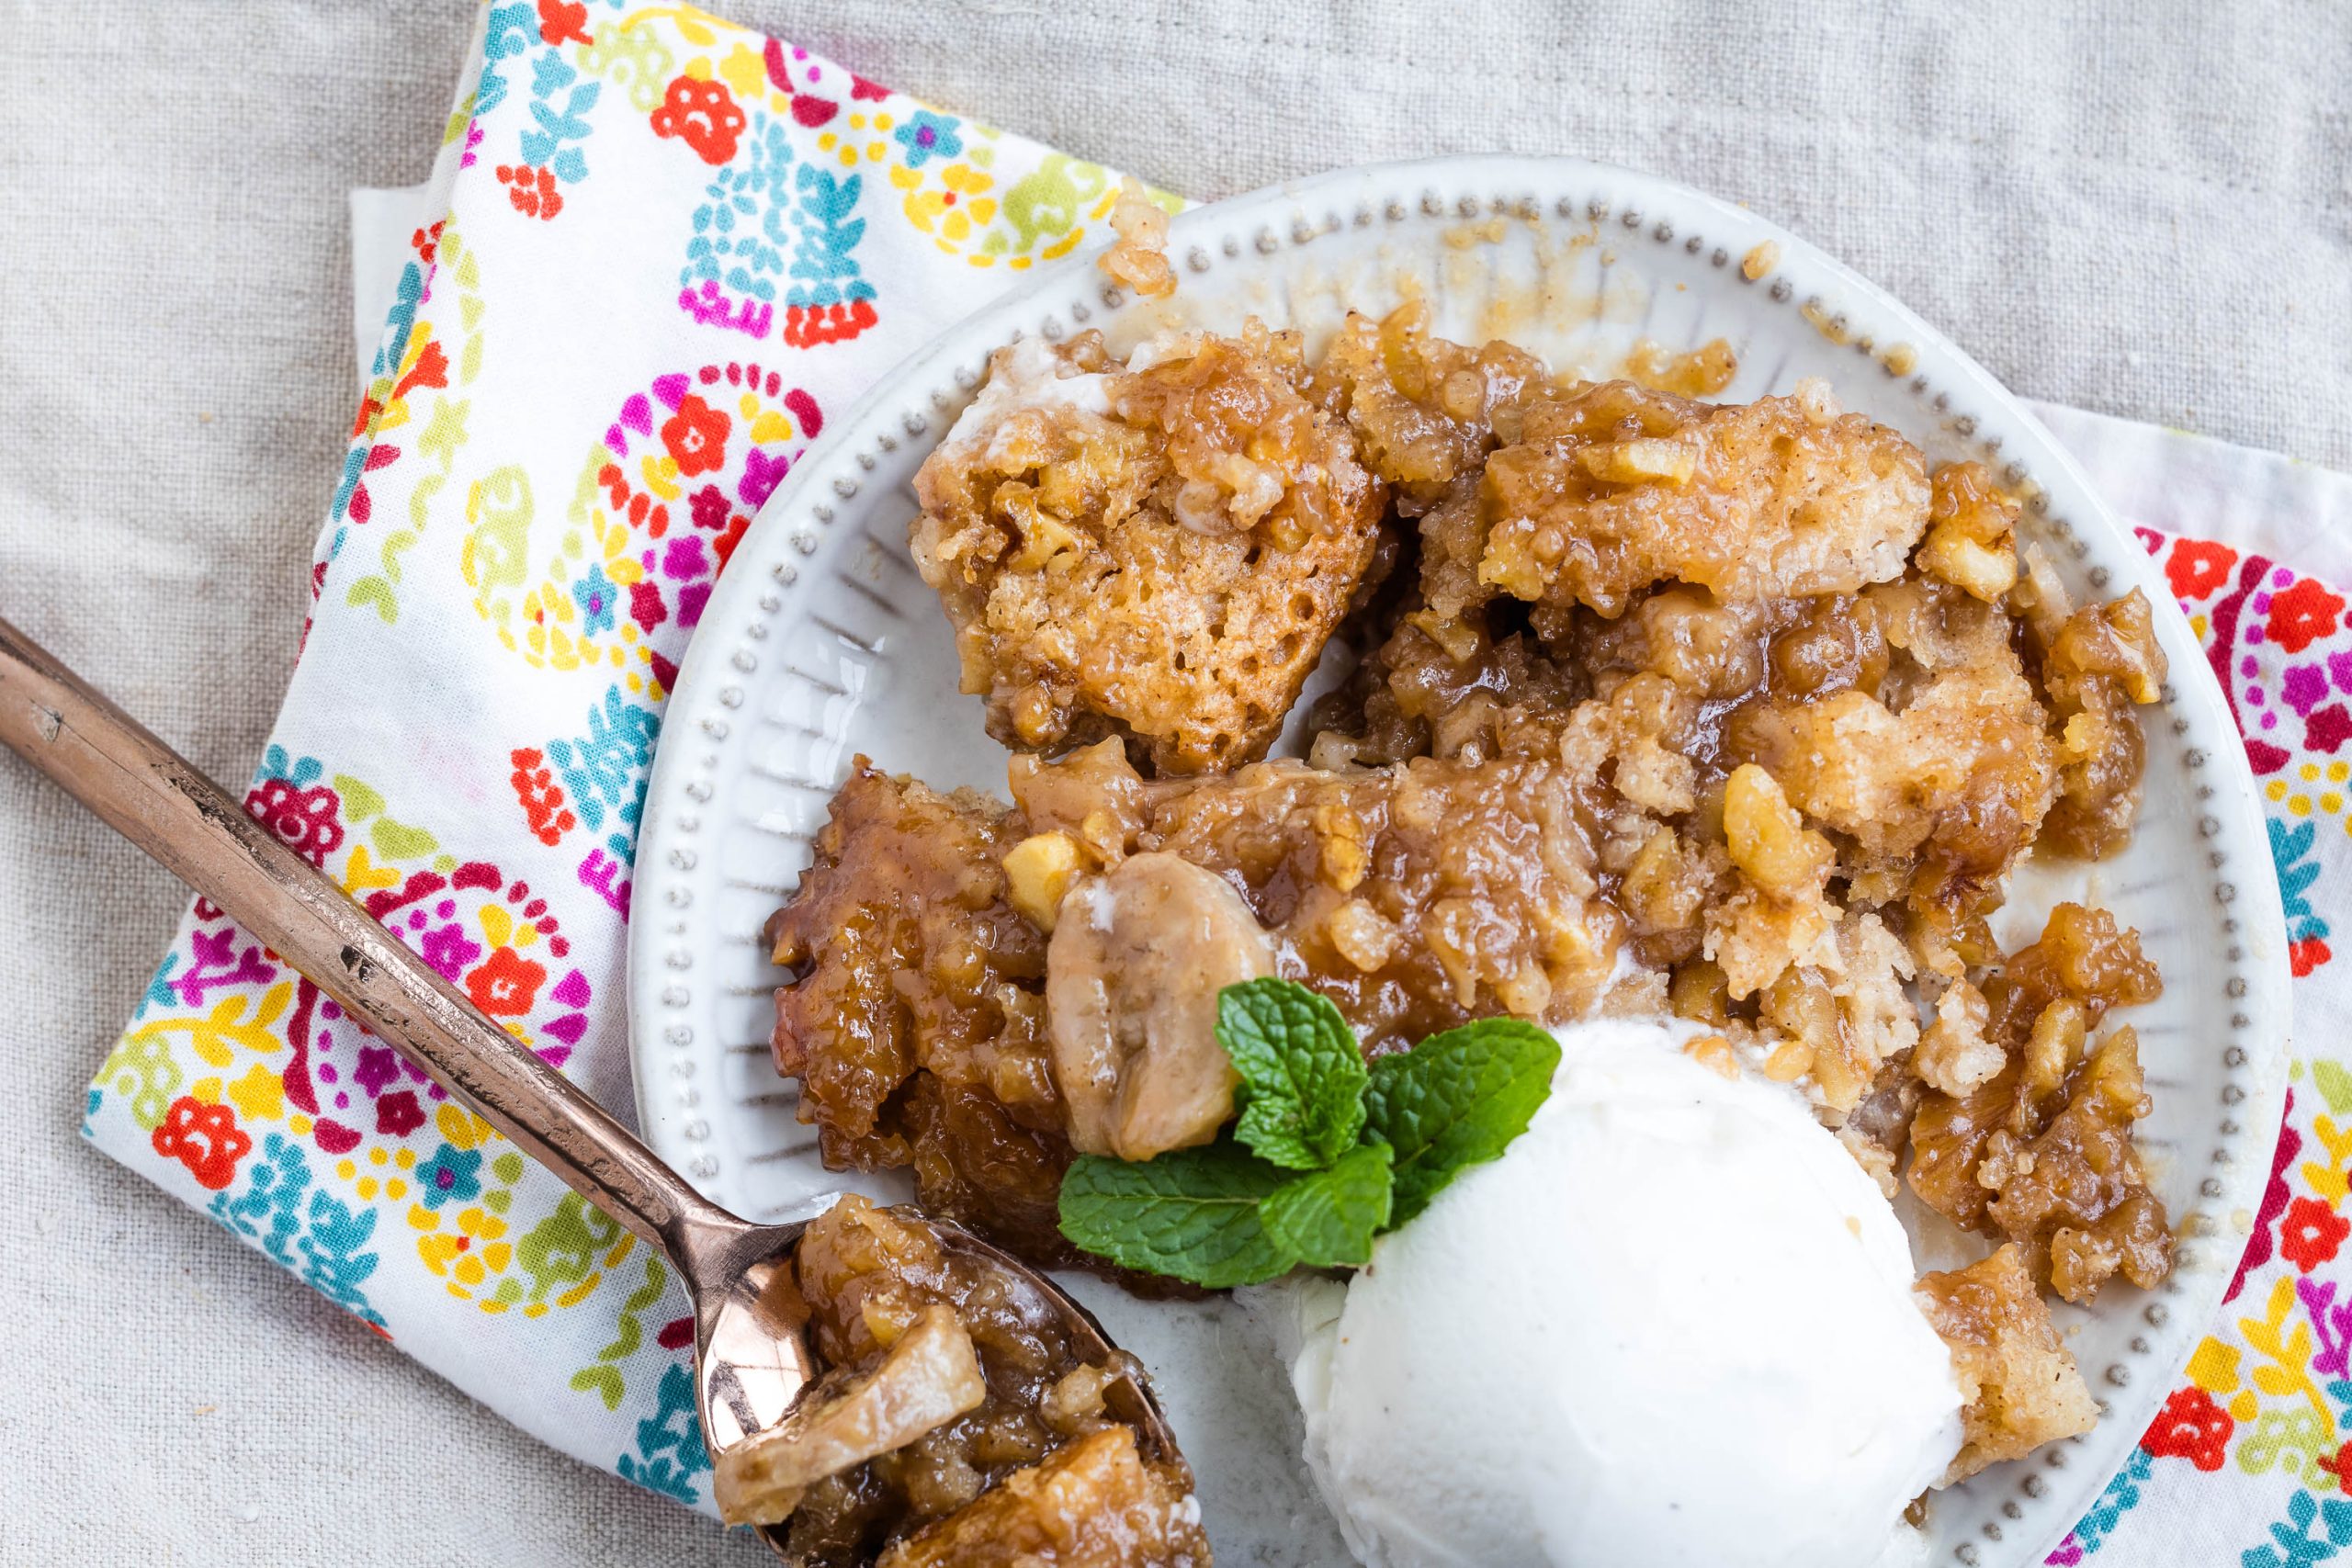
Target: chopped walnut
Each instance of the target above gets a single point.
(1422, 409)
(2018, 1385)
(1093, 1503)
(1970, 532)
(2101, 662)
(2041, 1153)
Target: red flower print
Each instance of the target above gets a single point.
(2199, 567)
(542, 797)
(563, 23)
(2302, 614)
(532, 191)
(303, 818)
(2328, 729)
(645, 607)
(205, 1138)
(2311, 1234)
(709, 508)
(2306, 955)
(703, 115)
(506, 984)
(696, 435)
(2334, 1463)
(398, 1114)
(2190, 1426)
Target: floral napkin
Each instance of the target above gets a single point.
(659, 251)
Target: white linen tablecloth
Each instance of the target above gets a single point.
(2143, 211)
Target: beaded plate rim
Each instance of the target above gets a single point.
(2011, 1515)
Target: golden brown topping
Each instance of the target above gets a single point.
(1422, 409)
(1140, 258)
(1769, 840)
(2018, 1385)
(1954, 1055)
(1094, 1504)
(916, 1021)
(1661, 703)
(2041, 1153)
(1777, 500)
(1131, 986)
(1159, 554)
(2100, 660)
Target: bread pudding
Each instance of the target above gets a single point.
(1739, 713)
(1157, 551)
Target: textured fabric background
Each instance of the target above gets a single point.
(2147, 211)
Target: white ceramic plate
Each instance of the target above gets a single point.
(822, 642)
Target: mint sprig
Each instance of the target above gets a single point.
(1455, 1100)
(1191, 1213)
(1302, 1073)
(1327, 1153)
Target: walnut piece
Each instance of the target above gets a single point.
(1093, 1503)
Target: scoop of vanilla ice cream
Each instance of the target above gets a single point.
(1673, 1324)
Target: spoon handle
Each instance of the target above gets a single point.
(159, 801)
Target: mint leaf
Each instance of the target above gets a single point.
(1455, 1100)
(1190, 1214)
(1302, 1073)
(1328, 1218)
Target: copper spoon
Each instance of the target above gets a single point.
(751, 1360)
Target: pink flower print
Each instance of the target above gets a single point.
(448, 952)
(377, 1069)
(2303, 687)
(762, 473)
(683, 559)
(691, 599)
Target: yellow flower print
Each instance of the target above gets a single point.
(745, 72)
(956, 209)
(472, 1254)
(260, 1095)
(362, 874)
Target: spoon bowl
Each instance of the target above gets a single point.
(753, 1361)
